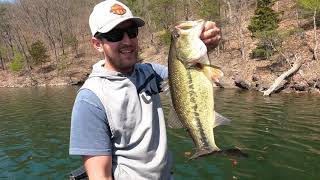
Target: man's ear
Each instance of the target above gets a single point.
(97, 44)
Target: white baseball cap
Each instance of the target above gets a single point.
(108, 14)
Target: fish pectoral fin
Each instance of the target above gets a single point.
(212, 72)
(173, 120)
(220, 120)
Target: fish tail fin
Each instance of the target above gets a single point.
(204, 152)
(201, 153)
(235, 152)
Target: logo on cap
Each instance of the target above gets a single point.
(118, 9)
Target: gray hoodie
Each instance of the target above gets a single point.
(136, 121)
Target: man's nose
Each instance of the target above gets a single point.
(126, 38)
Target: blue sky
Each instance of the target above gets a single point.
(7, 0)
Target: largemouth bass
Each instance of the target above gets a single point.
(191, 79)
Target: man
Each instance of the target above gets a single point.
(117, 121)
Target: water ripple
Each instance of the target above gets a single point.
(280, 133)
(34, 132)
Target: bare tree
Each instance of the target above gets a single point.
(186, 7)
(52, 21)
(314, 7)
(315, 49)
(5, 30)
(20, 39)
(2, 62)
(240, 7)
(237, 19)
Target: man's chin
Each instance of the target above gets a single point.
(129, 60)
(128, 63)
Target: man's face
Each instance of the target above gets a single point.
(122, 55)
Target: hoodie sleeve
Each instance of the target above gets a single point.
(161, 70)
(90, 133)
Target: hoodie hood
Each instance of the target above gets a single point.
(98, 70)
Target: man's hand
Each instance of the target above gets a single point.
(210, 35)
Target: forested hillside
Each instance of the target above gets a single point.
(46, 42)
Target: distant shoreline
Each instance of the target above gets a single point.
(313, 91)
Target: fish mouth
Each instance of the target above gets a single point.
(187, 25)
(186, 36)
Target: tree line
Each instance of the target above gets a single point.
(36, 31)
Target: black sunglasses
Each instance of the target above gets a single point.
(117, 34)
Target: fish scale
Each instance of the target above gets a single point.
(196, 115)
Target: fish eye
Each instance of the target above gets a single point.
(176, 34)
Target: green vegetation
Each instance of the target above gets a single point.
(62, 64)
(311, 5)
(38, 52)
(73, 42)
(17, 63)
(269, 41)
(310, 9)
(263, 26)
(265, 19)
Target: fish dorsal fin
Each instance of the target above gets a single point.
(220, 120)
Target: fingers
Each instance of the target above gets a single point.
(210, 30)
(209, 25)
(210, 35)
(212, 42)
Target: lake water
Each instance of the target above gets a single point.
(281, 134)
